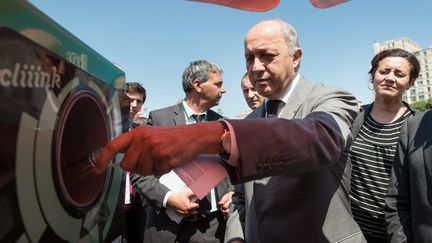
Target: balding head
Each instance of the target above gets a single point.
(272, 57)
(274, 26)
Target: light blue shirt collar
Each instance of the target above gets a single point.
(188, 112)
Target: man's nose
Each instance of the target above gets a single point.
(258, 65)
(223, 90)
(250, 94)
(134, 103)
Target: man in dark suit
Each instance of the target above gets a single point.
(297, 168)
(135, 214)
(251, 96)
(203, 221)
(408, 210)
(137, 96)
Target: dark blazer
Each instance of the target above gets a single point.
(159, 228)
(306, 198)
(408, 210)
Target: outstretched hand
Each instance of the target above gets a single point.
(156, 150)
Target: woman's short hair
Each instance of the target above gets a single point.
(396, 52)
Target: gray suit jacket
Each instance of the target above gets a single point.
(306, 198)
(408, 209)
(154, 192)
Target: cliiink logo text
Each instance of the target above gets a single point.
(29, 76)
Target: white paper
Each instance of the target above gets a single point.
(175, 184)
(127, 189)
(199, 176)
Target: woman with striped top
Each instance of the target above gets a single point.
(375, 133)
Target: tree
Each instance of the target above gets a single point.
(419, 105)
(429, 104)
(422, 105)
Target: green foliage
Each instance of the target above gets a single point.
(422, 105)
(419, 105)
(428, 104)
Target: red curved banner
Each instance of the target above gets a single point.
(326, 3)
(248, 5)
(265, 5)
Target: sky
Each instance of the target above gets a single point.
(154, 41)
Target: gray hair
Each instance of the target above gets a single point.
(198, 70)
(290, 35)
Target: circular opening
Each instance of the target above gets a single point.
(82, 129)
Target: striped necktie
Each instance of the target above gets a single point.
(199, 118)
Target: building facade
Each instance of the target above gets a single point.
(422, 89)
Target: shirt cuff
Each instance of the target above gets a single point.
(234, 152)
(165, 200)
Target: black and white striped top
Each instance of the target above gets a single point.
(372, 156)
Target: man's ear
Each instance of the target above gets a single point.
(197, 85)
(296, 58)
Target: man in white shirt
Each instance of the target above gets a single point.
(204, 220)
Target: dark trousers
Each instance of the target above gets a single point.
(206, 229)
(160, 229)
(373, 239)
(135, 219)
